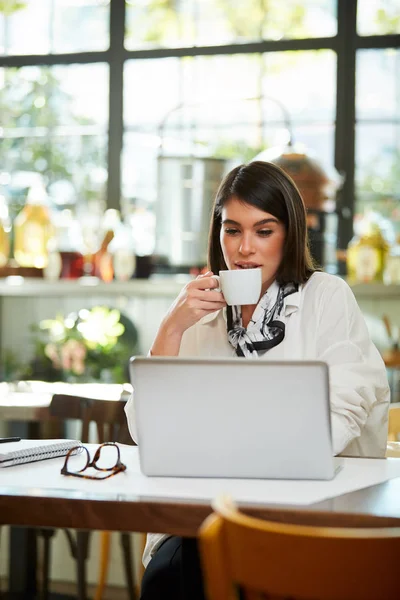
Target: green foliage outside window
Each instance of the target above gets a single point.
(8, 7)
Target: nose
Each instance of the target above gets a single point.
(246, 245)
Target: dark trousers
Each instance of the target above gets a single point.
(174, 572)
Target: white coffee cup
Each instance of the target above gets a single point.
(240, 286)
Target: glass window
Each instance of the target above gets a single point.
(204, 108)
(155, 23)
(312, 107)
(54, 122)
(378, 170)
(378, 133)
(25, 27)
(378, 17)
(53, 26)
(377, 92)
(296, 20)
(225, 107)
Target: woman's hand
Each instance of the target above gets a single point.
(196, 300)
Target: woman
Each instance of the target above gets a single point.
(259, 220)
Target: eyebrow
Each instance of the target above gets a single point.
(262, 222)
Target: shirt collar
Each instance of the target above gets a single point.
(292, 302)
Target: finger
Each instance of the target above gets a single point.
(206, 306)
(210, 296)
(214, 282)
(205, 283)
(204, 296)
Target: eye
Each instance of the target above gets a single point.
(231, 231)
(264, 232)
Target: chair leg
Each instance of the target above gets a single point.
(46, 534)
(127, 554)
(143, 539)
(105, 540)
(82, 552)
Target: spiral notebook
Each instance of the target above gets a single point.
(26, 451)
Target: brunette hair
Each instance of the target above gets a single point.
(266, 187)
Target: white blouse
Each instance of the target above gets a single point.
(323, 322)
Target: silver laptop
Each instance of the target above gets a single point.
(218, 418)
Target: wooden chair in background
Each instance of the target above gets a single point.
(393, 445)
(392, 450)
(391, 356)
(394, 421)
(110, 421)
(275, 560)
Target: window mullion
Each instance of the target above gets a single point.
(115, 127)
(345, 114)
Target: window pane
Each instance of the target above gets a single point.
(205, 109)
(45, 26)
(54, 121)
(377, 89)
(81, 25)
(201, 110)
(84, 92)
(215, 22)
(378, 17)
(378, 170)
(151, 89)
(378, 133)
(2, 39)
(27, 27)
(312, 74)
(319, 140)
(297, 20)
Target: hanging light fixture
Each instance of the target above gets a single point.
(318, 185)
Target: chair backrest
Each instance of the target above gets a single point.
(394, 421)
(271, 560)
(391, 358)
(109, 416)
(392, 450)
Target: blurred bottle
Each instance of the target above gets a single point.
(102, 259)
(5, 229)
(123, 253)
(116, 256)
(33, 229)
(142, 223)
(392, 269)
(65, 248)
(366, 254)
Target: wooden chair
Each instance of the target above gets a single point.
(394, 421)
(391, 358)
(274, 561)
(393, 450)
(111, 425)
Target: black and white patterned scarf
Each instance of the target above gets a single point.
(266, 328)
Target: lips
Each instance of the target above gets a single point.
(246, 265)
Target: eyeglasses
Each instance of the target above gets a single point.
(104, 461)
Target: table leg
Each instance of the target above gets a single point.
(22, 547)
(22, 563)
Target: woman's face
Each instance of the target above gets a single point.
(251, 238)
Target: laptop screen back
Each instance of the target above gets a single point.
(232, 418)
